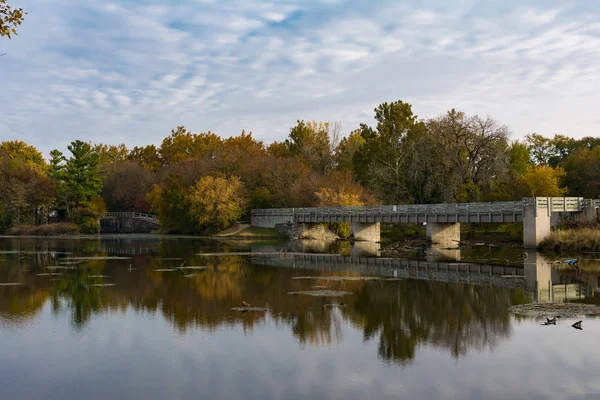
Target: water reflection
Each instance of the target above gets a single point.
(434, 300)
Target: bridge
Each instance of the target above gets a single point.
(537, 214)
(129, 222)
(535, 276)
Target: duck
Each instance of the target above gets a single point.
(577, 325)
(524, 256)
(245, 304)
(552, 320)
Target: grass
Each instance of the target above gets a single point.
(572, 241)
(57, 229)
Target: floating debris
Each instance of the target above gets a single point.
(50, 274)
(99, 276)
(340, 278)
(244, 309)
(322, 293)
(335, 305)
(319, 287)
(103, 284)
(563, 310)
(60, 267)
(10, 284)
(97, 258)
(194, 267)
(69, 262)
(169, 259)
(165, 270)
(189, 275)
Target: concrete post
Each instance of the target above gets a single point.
(368, 232)
(445, 235)
(536, 226)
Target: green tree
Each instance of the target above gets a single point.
(383, 161)
(582, 173)
(10, 19)
(217, 202)
(348, 146)
(79, 179)
(314, 142)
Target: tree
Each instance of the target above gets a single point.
(79, 179)
(383, 160)
(126, 185)
(9, 19)
(146, 156)
(183, 144)
(582, 173)
(110, 154)
(315, 143)
(339, 189)
(348, 146)
(541, 181)
(216, 202)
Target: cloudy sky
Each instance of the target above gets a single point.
(130, 70)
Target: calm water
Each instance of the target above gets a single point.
(164, 335)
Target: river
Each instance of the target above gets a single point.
(150, 317)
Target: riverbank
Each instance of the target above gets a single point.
(572, 241)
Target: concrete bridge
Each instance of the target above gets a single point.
(537, 214)
(129, 222)
(536, 276)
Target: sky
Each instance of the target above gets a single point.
(129, 71)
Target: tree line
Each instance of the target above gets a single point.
(200, 182)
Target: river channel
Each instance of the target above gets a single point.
(159, 317)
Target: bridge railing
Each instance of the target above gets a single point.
(413, 209)
(555, 204)
(132, 215)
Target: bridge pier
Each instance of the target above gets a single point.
(443, 234)
(536, 226)
(367, 232)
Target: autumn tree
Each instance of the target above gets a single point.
(541, 181)
(10, 19)
(126, 185)
(147, 156)
(27, 192)
(183, 144)
(216, 202)
(339, 189)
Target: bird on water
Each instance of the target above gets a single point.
(577, 325)
(245, 304)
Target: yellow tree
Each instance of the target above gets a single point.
(9, 19)
(339, 189)
(541, 181)
(216, 202)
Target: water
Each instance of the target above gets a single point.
(164, 335)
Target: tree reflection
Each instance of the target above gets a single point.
(401, 315)
(409, 313)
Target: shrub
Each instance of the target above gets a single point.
(57, 229)
(572, 240)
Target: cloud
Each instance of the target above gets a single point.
(103, 71)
